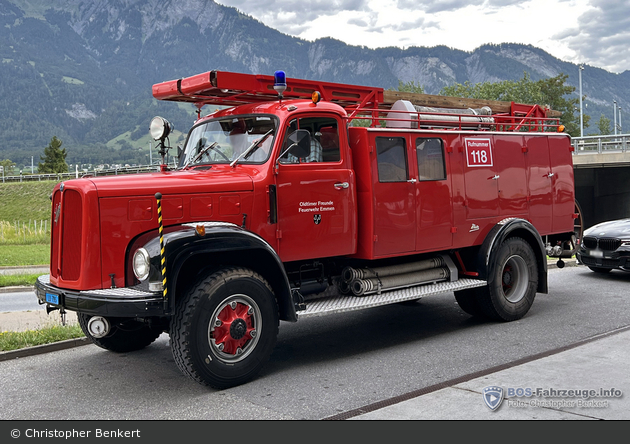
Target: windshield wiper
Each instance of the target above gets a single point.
(203, 151)
(249, 151)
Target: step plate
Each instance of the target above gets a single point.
(329, 303)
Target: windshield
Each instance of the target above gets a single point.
(224, 140)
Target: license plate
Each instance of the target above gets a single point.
(597, 253)
(52, 298)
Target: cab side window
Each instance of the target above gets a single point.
(324, 140)
(391, 157)
(430, 154)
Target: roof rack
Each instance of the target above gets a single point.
(231, 89)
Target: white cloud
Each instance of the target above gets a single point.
(596, 32)
(602, 35)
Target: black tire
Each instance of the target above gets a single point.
(512, 284)
(600, 270)
(237, 297)
(468, 301)
(125, 336)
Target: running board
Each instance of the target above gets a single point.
(337, 303)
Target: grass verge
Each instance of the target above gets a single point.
(31, 254)
(18, 280)
(15, 340)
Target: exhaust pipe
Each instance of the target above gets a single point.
(98, 326)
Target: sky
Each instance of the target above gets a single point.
(590, 32)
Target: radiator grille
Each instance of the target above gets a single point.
(71, 235)
(55, 234)
(590, 242)
(609, 244)
(605, 243)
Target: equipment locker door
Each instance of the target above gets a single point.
(561, 163)
(540, 180)
(481, 178)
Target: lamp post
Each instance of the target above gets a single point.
(615, 115)
(581, 111)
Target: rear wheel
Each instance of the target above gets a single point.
(125, 335)
(225, 328)
(512, 284)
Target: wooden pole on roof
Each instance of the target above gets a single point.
(497, 106)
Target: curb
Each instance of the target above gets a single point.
(44, 348)
(17, 289)
(24, 269)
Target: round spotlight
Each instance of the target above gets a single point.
(160, 128)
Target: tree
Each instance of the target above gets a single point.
(548, 92)
(603, 125)
(54, 158)
(8, 166)
(410, 86)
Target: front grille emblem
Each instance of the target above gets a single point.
(57, 212)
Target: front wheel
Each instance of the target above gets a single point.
(225, 328)
(512, 284)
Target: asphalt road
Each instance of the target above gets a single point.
(321, 367)
(19, 301)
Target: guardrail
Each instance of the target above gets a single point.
(590, 144)
(64, 176)
(618, 143)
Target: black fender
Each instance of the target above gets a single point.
(218, 244)
(513, 227)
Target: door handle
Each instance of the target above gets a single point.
(412, 181)
(495, 177)
(342, 185)
(550, 175)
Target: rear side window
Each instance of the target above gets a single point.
(391, 156)
(430, 154)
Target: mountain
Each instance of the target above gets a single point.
(82, 70)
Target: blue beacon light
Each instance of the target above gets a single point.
(280, 82)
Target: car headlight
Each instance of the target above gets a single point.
(625, 242)
(141, 264)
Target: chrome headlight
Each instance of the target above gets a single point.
(141, 264)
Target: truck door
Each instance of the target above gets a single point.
(316, 195)
(394, 198)
(434, 205)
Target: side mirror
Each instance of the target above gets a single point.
(300, 143)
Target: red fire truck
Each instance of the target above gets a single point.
(300, 198)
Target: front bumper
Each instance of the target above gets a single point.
(112, 302)
(609, 259)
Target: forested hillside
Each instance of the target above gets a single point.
(83, 70)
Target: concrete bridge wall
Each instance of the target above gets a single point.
(602, 186)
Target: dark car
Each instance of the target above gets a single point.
(606, 246)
